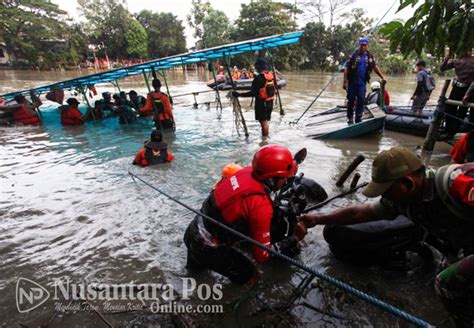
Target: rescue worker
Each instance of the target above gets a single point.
(235, 74)
(124, 109)
(357, 71)
(464, 69)
(107, 101)
(155, 151)
(374, 96)
(99, 110)
(424, 87)
(264, 90)
(70, 114)
(242, 202)
(137, 101)
(23, 112)
(463, 150)
(158, 104)
(441, 201)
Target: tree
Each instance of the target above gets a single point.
(328, 10)
(107, 23)
(27, 27)
(315, 45)
(216, 29)
(137, 40)
(435, 25)
(163, 42)
(263, 18)
(195, 18)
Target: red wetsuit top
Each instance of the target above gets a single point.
(71, 116)
(463, 151)
(26, 115)
(242, 203)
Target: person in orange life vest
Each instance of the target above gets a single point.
(154, 151)
(463, 151)
(242, 202)
(264, 91)
(158, 104)
(235, 73)
(70, 113)
(252, 73)
(23, 112)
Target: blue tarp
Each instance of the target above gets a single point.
(169, 62)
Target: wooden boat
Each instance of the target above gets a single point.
(332, 123)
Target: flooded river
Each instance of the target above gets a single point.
(69, 210)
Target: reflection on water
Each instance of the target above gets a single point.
(69, 208)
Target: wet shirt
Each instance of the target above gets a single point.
(431, 213)
(463, 67)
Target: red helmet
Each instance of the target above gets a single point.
(273, 161)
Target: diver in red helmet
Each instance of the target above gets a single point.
(242, 202)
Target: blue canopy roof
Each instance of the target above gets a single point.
(169, 62)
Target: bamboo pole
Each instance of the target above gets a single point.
(84, 95)
(239, 108)
(163, 74)
(282, 112)
(218, 96)
(438, 117)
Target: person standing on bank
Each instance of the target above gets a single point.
(357, 71)
(264, 91)
(424, 86)
(464, 69)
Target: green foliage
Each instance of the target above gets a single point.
(30, 29)
(435, 25)
(217, 29)
(163, 42)
(196, 16)
(137, 40)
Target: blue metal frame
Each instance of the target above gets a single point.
(169, 62)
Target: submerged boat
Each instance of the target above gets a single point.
(224, 84)
(332, 123)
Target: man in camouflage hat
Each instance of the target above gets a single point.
(441, 201)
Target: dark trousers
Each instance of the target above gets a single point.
(355, 93)
(223, 259)
(452, 124)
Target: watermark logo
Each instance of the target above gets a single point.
(29, 295)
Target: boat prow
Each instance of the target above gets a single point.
(332, 123)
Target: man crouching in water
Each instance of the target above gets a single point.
(154, 152)
(441, 201)
(242, 202)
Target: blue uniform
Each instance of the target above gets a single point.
(357, 86)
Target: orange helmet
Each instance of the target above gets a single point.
(273, 161)
(230, 169)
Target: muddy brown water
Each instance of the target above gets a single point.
(68, 209)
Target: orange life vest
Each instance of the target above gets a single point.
(267, 93)
(157, 98)
(25, 116)
(71, 116)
